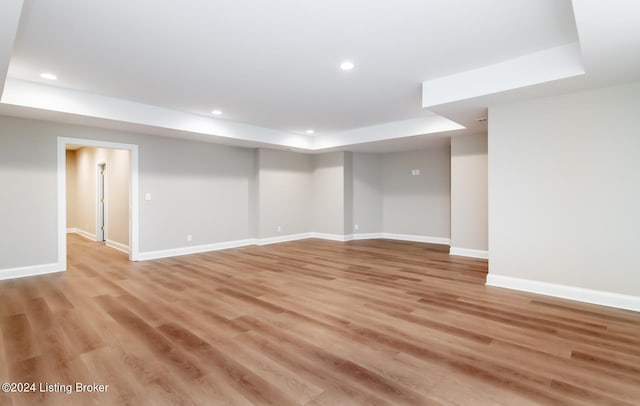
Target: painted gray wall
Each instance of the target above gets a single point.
(285, 193)
(28, 206)
(367, 193)
(469, 201)
(348, 193)
(564, 189)
(417, 205)
(328, 193)
(197, 188)
(219, 193)
(254, 196)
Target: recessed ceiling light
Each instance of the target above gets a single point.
(346, 65)
(309, 131)
(216, 112)
(48, 76)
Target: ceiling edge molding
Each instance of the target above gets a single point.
(43, 97)
(388, 131)
(540, 67)
(39, 101)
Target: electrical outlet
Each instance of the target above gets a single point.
(147, 196)
(355, 227)
(415, 172)
(279, 228)
(189, 237)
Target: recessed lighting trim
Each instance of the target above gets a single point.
(216, 112)
(309, 131)
(48, 76)
(346, 65)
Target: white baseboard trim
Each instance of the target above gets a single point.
(332, 237)
(82, 233)
(173, 252)
(118, 245)
(598, 297)
(21, 272)
(466, 252)
(368, 236)
(282, 238)
(417, 238)
(196, 249)
(350, 237)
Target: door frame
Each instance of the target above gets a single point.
(101, 183)
(134, 192)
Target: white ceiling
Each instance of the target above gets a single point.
(273, 67)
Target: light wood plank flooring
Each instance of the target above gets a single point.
(307, 323)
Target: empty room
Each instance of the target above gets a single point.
(320, 203)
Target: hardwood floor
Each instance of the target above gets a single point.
(311, 323)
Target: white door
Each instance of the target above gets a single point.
(101, 226)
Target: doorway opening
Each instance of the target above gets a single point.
(123, 232)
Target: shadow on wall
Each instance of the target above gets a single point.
(470, 149)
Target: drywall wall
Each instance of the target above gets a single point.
(218, 194)
(347, 204)
(469, 202)
(197, 188)
(367, 193)
(118, 179)
(85, 192)
(285, 193)
(28, 207)
(254, 196)
(328, 193)
(72, 189)
(417, 205)
(564, 190)
(81, 191)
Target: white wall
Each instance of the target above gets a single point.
(285, 193)
(217, 193)
(329, 193)
(28, 208)
(197, 188)
(469, 211)
(367, 193)
(417, 205)
(254, 196)
(200, 189)
(348, 193)
(564, 190)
